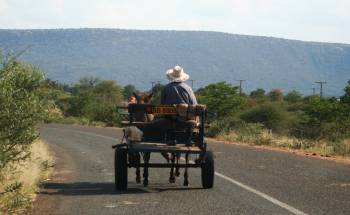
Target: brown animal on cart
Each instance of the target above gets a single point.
(135, 158)
(143, 99)
(142, 117)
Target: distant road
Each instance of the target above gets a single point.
(248, 181)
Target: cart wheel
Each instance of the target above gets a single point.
(208, 170)
(121, 169)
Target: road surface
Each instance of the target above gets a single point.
(248, 180)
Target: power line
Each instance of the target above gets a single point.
(321, 86)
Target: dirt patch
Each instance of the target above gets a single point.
(46, 203)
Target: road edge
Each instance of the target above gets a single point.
(301, 153)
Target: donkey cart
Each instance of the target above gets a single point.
(176, 130)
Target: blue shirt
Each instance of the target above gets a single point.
(178, 93)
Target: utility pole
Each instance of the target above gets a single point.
(240, 86)
(321, 87)
(313, 91)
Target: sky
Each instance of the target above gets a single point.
(309, 20)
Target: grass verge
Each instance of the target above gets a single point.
(266, 138)
(22, 179)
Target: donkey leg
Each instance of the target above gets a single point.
(138, 174)
(145, 169)
(186, 171)
(177, 169)
(166, 156)
(172, 175)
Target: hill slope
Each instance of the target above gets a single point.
(139, 57)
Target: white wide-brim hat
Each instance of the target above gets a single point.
(177, 74)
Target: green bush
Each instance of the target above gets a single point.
(293, 97)
(345, 99)
(95, 100)
(249, 132)
(326, 119)
(276, 95)
(221, 126)
(221, 98)
(22, 105)
(271, 115)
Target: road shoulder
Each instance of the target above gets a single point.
(283, 150)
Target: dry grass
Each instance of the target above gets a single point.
(22, 179)
(267, 138)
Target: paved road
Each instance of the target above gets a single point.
(248, 181)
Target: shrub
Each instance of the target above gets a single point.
(95, 100)
(221, 126)
(221, 98)
(346, 97)
(293, 97)
(271, 115)
(248, 132)
(258, 93)
(276, 95)
(327, 119)
(22, 106)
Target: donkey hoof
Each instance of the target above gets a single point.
(145, 183)
(172, 180)
(186, 183)
(177, 173)
(138, 180)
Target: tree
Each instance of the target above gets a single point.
(82, 97)
(327, 119)
(221, 98)
(258, 93)
(128, 90)
(157, 92)
(86, 84)
(346, 97)
(108, 92)
(293, 97)
(276, 95)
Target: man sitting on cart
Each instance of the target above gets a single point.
(175, 92)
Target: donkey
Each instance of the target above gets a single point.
(142, 117)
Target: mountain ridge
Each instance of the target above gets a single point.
(265, 62)
(170, 30)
